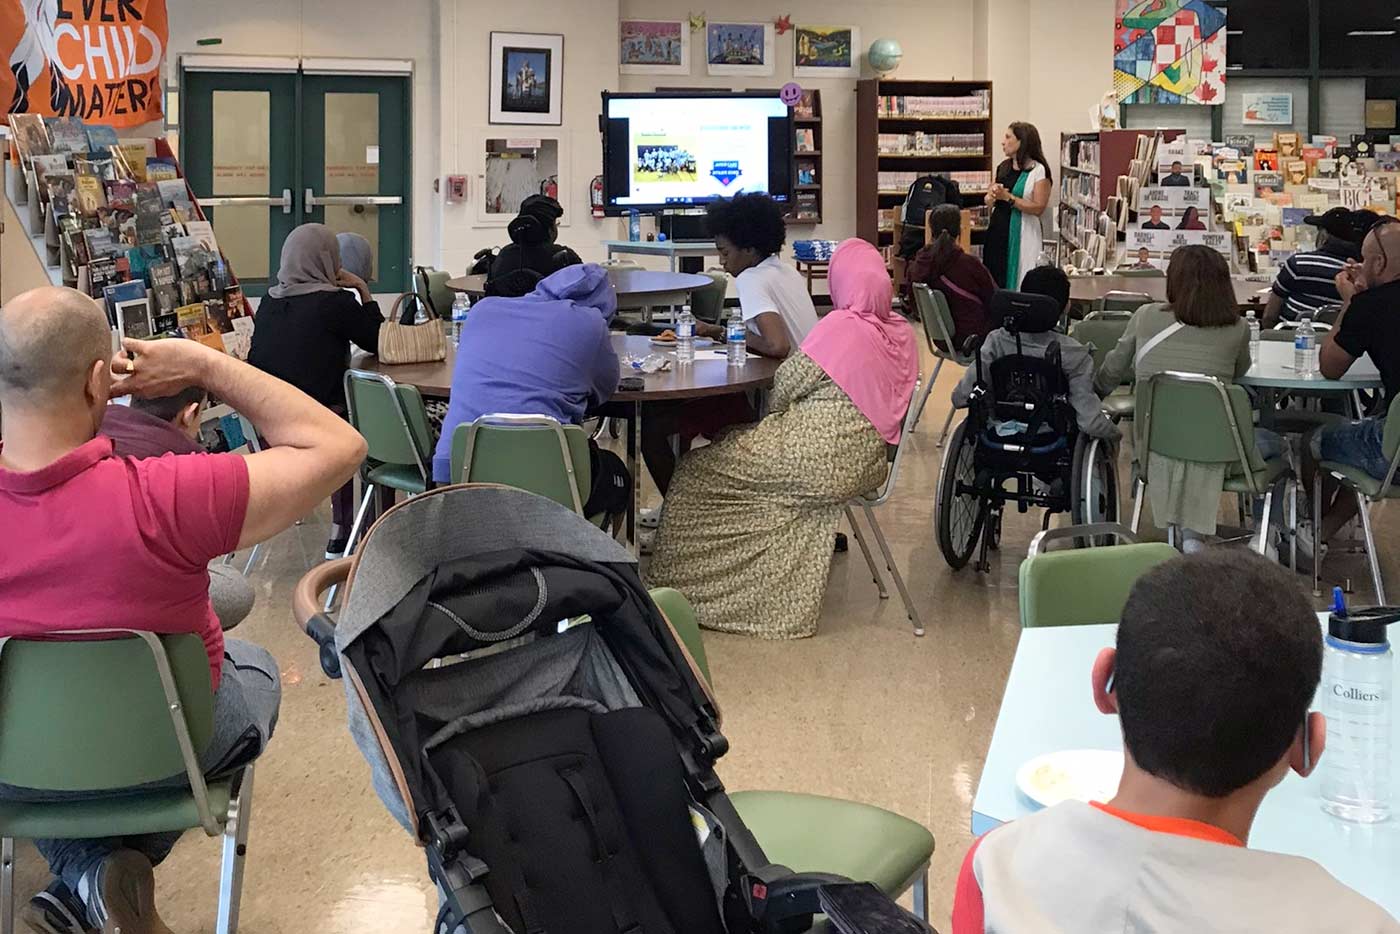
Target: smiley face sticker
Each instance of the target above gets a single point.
(791, 93)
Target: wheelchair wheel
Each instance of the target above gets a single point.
(961, 512)
(1094, 484)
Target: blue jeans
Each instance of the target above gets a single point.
(245, 714)
(1355, 444)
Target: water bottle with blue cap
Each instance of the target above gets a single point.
(1358, 676)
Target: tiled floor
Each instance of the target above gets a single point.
(863, 710)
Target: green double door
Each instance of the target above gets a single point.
(265, 151)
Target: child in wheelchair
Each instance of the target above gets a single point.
(1029, 331)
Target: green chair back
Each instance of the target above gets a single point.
(93, 715)
(1190, 417)
(1100, 334)
(682, 618)
(1390, 438)
(1130, 273)
(432, 287)
(391, 418)
(707, 302)
(1083, 586)
(1282, 335)
(1124, 301)
(525, 452)
(937, 319)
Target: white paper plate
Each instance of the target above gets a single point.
(700, 343)
(1071, 775)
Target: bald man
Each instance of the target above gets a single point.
(92, 541)
(1369, 324)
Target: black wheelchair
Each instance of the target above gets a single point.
(1020, 443)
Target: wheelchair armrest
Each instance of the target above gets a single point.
(782, 901)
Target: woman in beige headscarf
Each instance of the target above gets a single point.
(305, 327)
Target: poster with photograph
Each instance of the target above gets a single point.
(527, 78)
(653, 47)
(739, 48)
(826, 52)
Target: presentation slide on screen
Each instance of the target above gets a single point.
(683, 152)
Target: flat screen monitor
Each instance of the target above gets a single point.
(678, 150)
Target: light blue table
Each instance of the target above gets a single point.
(672, 250)
(1049, 706)
(1274, 370)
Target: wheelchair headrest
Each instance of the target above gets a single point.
(1025, 312)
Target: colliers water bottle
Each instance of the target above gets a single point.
(1358, 676)
(735, 335)
(685, 336)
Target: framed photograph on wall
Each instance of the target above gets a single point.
(653, 47)
(739, 48)
(826, 52)
(513, 169)
(527, 78)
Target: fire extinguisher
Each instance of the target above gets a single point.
(595, 195)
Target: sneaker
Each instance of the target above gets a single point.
(1306, 544)
(335, 548)
(120, 894)
(56, 910)
(842, 544)
(649, 518)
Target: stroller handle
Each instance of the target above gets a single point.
(307, 596)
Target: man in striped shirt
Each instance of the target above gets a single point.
(1306, 282)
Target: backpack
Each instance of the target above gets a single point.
(927, 193)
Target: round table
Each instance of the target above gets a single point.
(636, 288)
(1274, 370)
(1094, 288)
(709, 375)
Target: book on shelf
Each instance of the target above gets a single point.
(806, 106)
(161, 170)
(191, 320)
(30, 135)
(134, 318)
(973, 105)
(100, 137)
(919, 143)
(807, 173)
(67, 134)
(150, 213)
(806, 140)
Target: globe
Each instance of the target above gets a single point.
(884, 56)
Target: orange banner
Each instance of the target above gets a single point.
(95, 59)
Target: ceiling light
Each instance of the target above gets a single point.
(1234, 32)
(1372, 32)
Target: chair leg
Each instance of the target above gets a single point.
(354, 537)
(920, 893)
(947, 424)
(240, 814)
(7, 886)
(923, 396)
(894, 572)
(865, 550)
(1137, 503)
(1364, 507)
(1261, 538)
(1317, 532)
(1293, 525)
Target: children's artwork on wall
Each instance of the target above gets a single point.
(1168, 52)
(514, 170)
(653, 47)
(527, 78)
(826, 52)
(739, 48)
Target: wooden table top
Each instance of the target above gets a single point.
(710, 375)
(627, 282)
(1093, 288)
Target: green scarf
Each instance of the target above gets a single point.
(1013, 240)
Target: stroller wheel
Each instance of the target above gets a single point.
(1094, 482)
(961, 510)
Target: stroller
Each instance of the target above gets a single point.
(1020, 430)
(533, 720)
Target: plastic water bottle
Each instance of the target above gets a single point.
(1253, 323)
(1305, 348)
(735, 335)
(461, 304)
(685, 336)
(1358, 675)
(634, 225)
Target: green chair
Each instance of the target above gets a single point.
(1122, 303)
(937, 319)
(1101, 334)
(536, 453)
(1367, 490)
(395, 426)
(89, 717)
(814, 833)
(432, 289)
(1081, 586)
(1197, 418)
(707, 302)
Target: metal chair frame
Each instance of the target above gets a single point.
(525, 421)
(234, 828)
(422, 459)
(935, 329)
(1363, 508)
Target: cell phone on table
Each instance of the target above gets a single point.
(632, 384)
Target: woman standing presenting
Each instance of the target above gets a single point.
(1018, 197)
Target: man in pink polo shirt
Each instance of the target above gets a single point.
(92, 541)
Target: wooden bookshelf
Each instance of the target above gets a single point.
(871, 122)
(807, 190)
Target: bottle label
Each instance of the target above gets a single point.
(735, 331)
(1356, 698)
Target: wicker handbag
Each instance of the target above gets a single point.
(411, 343)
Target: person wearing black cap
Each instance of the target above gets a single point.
(1306, 281)
(533, 252)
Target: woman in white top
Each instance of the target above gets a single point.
(1018, 198)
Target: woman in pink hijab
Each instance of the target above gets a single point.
(748, 522)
